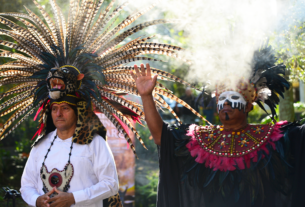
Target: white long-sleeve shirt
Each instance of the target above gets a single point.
(95, 176)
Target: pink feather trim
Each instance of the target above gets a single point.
(42, 124)
(123, 125)
(229, 163)
(40, 108)
(78, 96)
(38, 131)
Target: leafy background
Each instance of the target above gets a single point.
(289, 46)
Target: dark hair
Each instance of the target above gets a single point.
(74, 109)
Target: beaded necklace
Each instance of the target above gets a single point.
(232, 143)
(55, 178)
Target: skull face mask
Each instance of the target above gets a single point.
(63, 80)
(235, 100)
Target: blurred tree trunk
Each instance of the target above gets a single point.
(286, 111)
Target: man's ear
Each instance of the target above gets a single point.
(249, 107)
(80, 76)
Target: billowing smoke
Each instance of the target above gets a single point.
(221, 34)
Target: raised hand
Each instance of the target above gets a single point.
(145, 85)
(144, 82)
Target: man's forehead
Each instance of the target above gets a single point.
(230, 93)
(60, 105)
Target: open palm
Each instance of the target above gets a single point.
(144, 82)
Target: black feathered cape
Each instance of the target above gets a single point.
(277, 180)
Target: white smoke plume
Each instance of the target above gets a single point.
(221, 34)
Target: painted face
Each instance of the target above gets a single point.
(235, 99)
(63, 80)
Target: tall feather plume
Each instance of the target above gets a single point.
(46, 45)
(94, 43)
(122, 25)
(116, 40)
(77, 23)
(15, 116)
(28, 109)
(39, 23)
(15, 99)
(71, 21)
(160, 73)
(49, 21)
(16, 90)
(98, 24)
(84, 19)
(129, 104)
(115, 122)
(123, 119)
(58, 24)
(16, 106)
(104, 22)
(22, 41)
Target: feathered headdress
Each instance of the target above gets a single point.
(81, 60)
(266, 82)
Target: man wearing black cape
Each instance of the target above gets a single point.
(235, 164)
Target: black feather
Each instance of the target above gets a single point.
(42, 74)
(264, 66)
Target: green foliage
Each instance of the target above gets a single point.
(146, 170)
(268, 120)
(299, 106)
(257, 115)
(289, 41)
(24, 145)
(299, 109)
(4, 154)
(148, 141)
(148, 192)
(11, 168)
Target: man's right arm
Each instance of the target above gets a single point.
(145, 85)
(152, 118)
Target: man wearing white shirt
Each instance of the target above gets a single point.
(93, 175)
